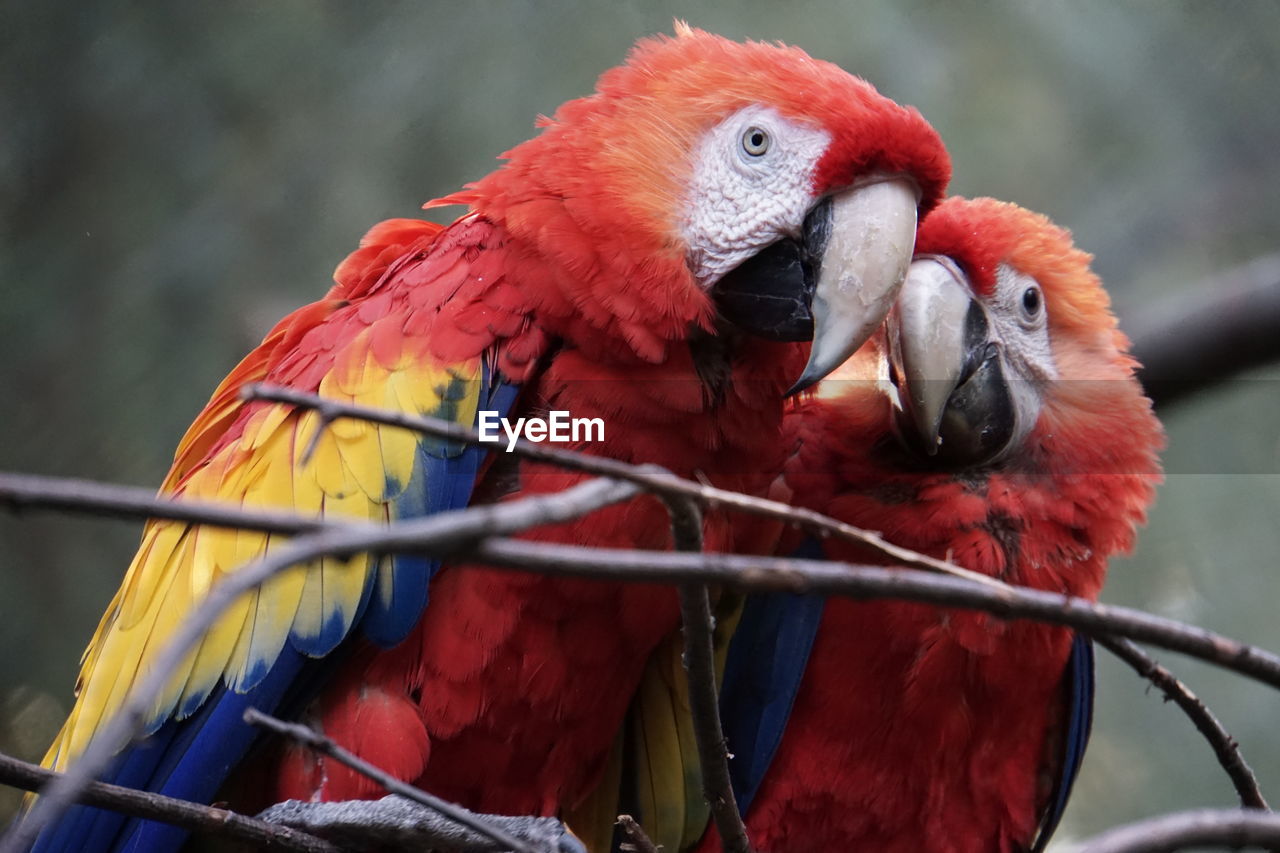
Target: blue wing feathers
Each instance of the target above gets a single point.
(766, 664)
(187, 759)
(332, 632)
(444, 477)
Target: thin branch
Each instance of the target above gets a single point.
(713, 753)
(744, 573)
(325, 745)
(19, 492)
(765, 574)
(1224, 746)
(652, 478)
(638, 840)
(1231, 828)
(700, 668)
(757, 573)
(149, 806)
(1229, 325)
(27, 491)
(436, 533)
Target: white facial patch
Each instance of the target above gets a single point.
(752, 185)
(1020, 318)
(1019, 313)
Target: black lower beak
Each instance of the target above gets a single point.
(978, 419)
(770, 295)
(835, 282)
(956, 404)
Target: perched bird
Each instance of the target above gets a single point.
(657, 257)
(997, 424)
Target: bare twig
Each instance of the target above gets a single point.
(325, 745)
(850, 580)
(638, 840)
(192, 816)
(1228, 325)
(1232, 828)
(436, 533)
(756, 574)
(1220, 740)
(19, 492)
(713, 753)
(652, 478)
(748, 573)
(704, 702)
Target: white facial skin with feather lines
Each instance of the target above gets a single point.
(751, 186)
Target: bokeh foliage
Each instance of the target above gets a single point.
(174, 177)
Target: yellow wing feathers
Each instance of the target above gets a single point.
(356, 470)
(657, 754)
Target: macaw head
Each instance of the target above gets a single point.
(711, 184)
(1002, 341)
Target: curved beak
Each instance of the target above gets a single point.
(868, 246)
(954, 400)
(836, 282)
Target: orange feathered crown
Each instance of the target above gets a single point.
(1079, 413)
(982, 233)
(634, 137)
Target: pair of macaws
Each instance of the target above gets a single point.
(659, 257)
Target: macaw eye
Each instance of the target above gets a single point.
(755, 141)
(1031, 302)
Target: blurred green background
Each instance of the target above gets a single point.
(174, 177)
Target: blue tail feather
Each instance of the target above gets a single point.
(1078, 679)
(766, 663)
(186, 759)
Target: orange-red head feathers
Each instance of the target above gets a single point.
(612, 189)
(981, 234)
(1060, 348)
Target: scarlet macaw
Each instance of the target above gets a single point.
(655, 257)
(1021, 446)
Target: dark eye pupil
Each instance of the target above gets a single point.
(1031, 300)
(755, 141)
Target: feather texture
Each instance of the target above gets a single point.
(568, 280)
(265, 455)
(918, 728)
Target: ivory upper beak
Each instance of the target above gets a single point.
(868, 251)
